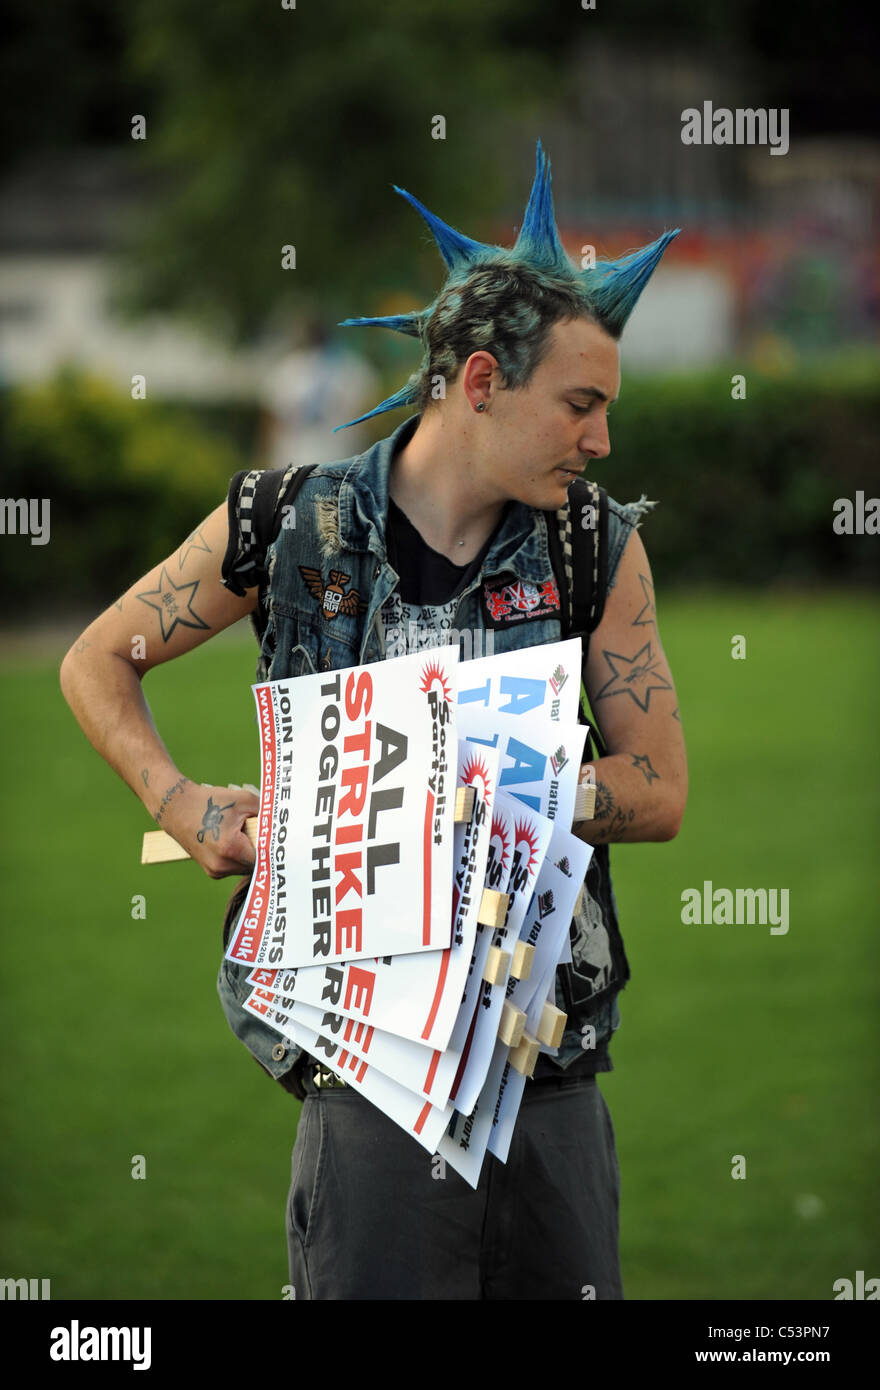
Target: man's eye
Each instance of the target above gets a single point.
(581, 409)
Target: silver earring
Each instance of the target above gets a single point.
(481, 405)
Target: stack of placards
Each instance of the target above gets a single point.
(415, 879)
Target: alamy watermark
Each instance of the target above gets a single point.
(858, 517)
(25, 1289)
(736, 907)
(859, 1288)
(25, 516)
(741, 126)
(471, 641)
(75, 1343)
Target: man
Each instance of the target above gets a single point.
(416, 536)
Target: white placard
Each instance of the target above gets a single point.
(355, 836)
(540, 761)
(422, 1120)
(418, 996)
(543, 680)
(530, 841)
(547, 924)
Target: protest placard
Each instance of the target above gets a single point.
(358, 766)
(418, 995)
(424, 1121)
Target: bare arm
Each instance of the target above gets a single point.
(641, 787)
(176, 606)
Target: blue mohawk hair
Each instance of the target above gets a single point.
(609, 290)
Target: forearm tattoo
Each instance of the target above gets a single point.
(174, 604)
(615, 818)
(172, 791)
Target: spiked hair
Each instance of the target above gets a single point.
(505, 300)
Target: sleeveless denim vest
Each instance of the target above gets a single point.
(339, 525)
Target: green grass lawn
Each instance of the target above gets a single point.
(734, 1041)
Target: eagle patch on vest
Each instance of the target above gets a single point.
(332, 596)
(519, 601)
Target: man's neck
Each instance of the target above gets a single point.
(435, 482)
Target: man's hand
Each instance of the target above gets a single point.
(208, 822)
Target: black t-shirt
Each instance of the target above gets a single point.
(426, 576)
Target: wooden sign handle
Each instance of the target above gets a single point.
(161, 848)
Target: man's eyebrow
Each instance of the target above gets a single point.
(592, 391)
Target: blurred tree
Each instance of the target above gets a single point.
(61, 78)
(274, 127)
(268, 126)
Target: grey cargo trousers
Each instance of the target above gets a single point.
(371, 1215)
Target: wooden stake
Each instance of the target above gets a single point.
(552, 1026)
(521, 965)
(513, 1021)
(493, 908)
(496, 967)
(161, 848)
(584, 802)
(524, 1057)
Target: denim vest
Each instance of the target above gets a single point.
(339, 524)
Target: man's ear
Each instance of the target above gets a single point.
(479, 375)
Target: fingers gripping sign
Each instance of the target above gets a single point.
(208, 822)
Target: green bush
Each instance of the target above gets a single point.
(746, 487)
(127, 481)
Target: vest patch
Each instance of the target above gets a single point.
(520, 601)
(332, 596)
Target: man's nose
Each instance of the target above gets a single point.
(595, 442)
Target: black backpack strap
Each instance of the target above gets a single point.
(276, 490)
(588, 511)
(577, 538)
(255, 508)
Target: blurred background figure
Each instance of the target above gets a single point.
(317, 385)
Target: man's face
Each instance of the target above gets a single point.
(541, 436)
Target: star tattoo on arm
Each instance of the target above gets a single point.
(648, 614)
(634, 675)
(173, 602)
(195, 541)
(643, 763)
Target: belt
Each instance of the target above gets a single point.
(325, 1079)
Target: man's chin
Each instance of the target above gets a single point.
(558, 488)
(552, 493)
